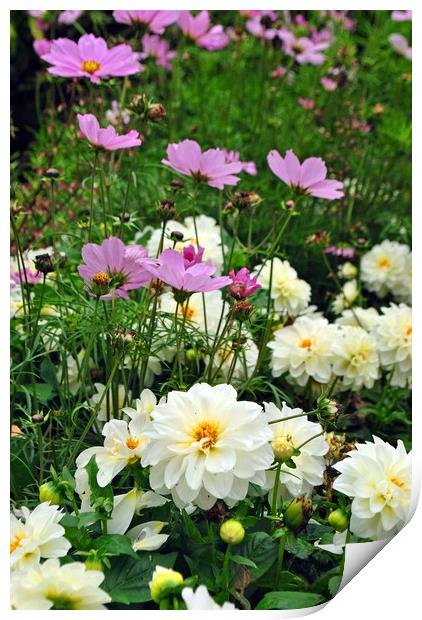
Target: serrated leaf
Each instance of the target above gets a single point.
(289, 600)
(299, 547)
(115, 544)
(261, 549)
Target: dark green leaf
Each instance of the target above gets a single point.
(289, 600)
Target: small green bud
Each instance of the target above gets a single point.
(163, 579)
(49, 492)
(232, 532)
(298, 513)
(283, 448)
(339, 520)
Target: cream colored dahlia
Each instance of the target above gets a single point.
(359, 317)
(378, 478)
(384, 267)
(393, 335)
(356, 358)
(290, 294)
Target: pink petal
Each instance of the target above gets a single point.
(277, 165)
(312, 170)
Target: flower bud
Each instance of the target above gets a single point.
(166, 210)
(290, 204)
(232, 532)
(156, 112)
(298, 513)
(50, 492)
(283, 448)
(52, 173)
(242, 309)
(37, 418)
(176, 236)
(177, 185)
(348, 271)
(93, 562)
(44, 263)
(339, 520)
(244, 200)
(163, 579)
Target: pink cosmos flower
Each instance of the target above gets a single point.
(260, 26)
(339, 251)
(28, 276)
(329, 84)
(192, 256)
(113, 269)
(157, 48)
(38, 15)
(401, 16)
(400, 45)
(107, 138)
(156, 21)
(247, 166)
(279, 72)
(209, 167)
(308, 178)
(307, 104)
(41, 47)
(91, 58)
(187, 278)
(198, 28)
(243, 285)
(273, 16)
(302, 49)
(69, 17)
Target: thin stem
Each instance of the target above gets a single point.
(91, 207)
(275, 490)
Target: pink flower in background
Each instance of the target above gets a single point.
(41, 47)
(194, 278)
(400, 45)
(38, 15)
(307, 104)
(91, 58)
(116, 114)
(209, 167)
(242, 284)
(156, 21)
(158, 48)
(308, 178)
(247, 166)
(279, 72)
(328, 84)
(302, 49)
(28, 276)
(192, 256)
(261, 25)
(320, 36)
(339, 251)
(106, 138)
(198, 29)
(69, 17)
(271, 14)
(401, 16)
(114, 269)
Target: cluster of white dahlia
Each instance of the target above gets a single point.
(393, 335)
(291, 295)
(355, 357)
(378, 478)
(358, 317)
(387, 268)
(207, 232)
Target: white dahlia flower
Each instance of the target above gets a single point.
(393, 335)
(403, 288)
(378, 478)
(201, 600)
(356, 358)
(206, 445)
(304, 350)
(127, 505)
(194, 309)
(147, 536)
(289, 435)
(38, 536)
(359, 317)
(384, 267)
(51, 586)
(107, 403)
(290, 294)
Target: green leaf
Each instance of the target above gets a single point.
(239, 559)
(289, 600)
(261, 549)
(190, 528)
(334, 584)
(44, 392)
(101, 497)
(127, 581)
(299, 547)
(115, 544)
(79, 537)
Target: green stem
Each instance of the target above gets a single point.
(91, 207)
(275, 490)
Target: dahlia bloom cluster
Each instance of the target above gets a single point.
(387, 268)
(393, 334)
(291, 295)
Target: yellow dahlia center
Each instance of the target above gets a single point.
(306, 344)
(132, 443)
(91, 66)
(384, 263)
(408, 330)
(17, 542)
(207, 434)
(398, 483)
(187, 311)
(101, 279)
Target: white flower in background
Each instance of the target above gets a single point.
(124, 443)
(378, 477)
(129, 504)
(195, 309)
(51, 586)
(403, 288)
(393, 335)
(16, 303)
(349, 294)
(69, 376)
(289, 435)
(116, 114)
(359, 317)
(201, 600)
(147, 536)
(38, 536)
(356, 358)
(384, 267)
(246, 358)
(208, 234)
(206, 445)
(291, 295)
(348, 271)
(102, 412)
(303, 349)
(145, 404)
(83, 489)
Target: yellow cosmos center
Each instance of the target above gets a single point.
(101, 279)
(306, 344)
(186, 311)
(207, 434)
(132, 443)
(384, 263)
(90, 66)
(16, 542)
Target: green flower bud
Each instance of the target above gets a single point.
(49, 492)
(232, 532)
(93, 564)
(163, 579)
(283, 448)
(339, 520)
(298, 513)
